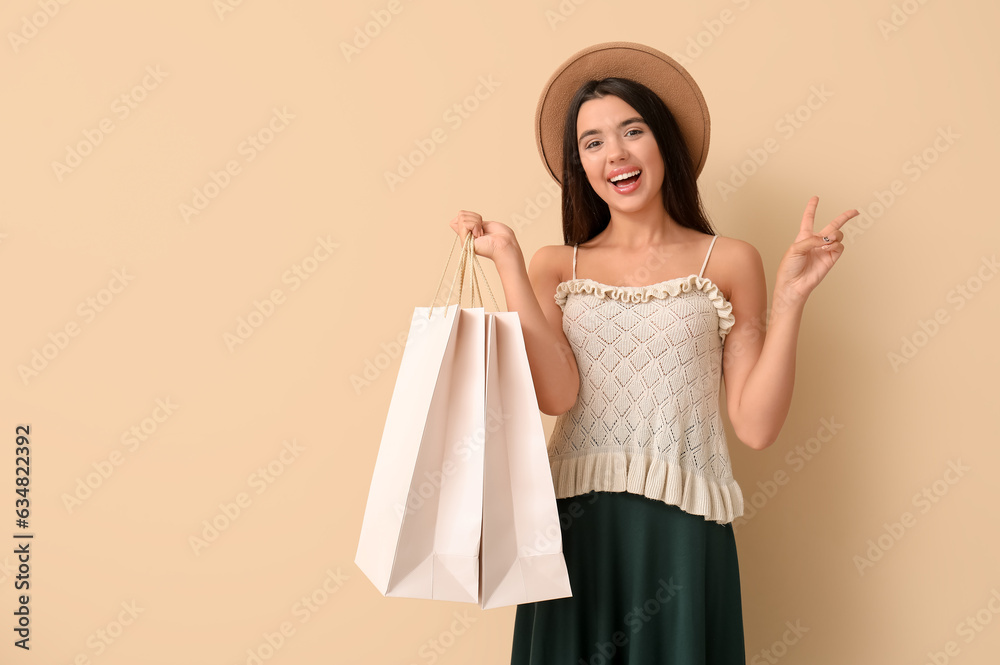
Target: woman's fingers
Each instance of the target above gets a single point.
(831, 236)
(832, 230)
(467, 221)
(809, 216)
(839, 221)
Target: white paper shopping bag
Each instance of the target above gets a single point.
(421, 533)
(522, 557)
(461, 505)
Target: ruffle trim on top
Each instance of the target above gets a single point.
(655, 477)
(637, 294)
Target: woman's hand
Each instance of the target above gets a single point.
(491, 239)
(810, 257)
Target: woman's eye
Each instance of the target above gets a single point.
(591, 144)
(634, 129)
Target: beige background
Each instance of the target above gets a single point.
(329, 125)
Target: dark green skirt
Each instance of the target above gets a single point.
(652, 585)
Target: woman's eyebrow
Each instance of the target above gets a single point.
(621, 125)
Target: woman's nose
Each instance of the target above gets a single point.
(616, 150)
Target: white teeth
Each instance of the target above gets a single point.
(623, 176)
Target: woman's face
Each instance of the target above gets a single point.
(614, 141)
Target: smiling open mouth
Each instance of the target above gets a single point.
(625, 180)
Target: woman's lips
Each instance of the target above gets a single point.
(629, 186)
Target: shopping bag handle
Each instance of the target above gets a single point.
(467, 257)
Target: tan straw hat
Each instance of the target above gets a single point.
(657, 71)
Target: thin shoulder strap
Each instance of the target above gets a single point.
(574, 259)
(702, 273)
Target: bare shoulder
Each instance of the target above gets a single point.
(552, 263)
(733, 261)
(734, 249)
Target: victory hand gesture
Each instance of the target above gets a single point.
(812, 254)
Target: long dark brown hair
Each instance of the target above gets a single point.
(584, 213)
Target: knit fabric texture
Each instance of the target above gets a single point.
(647, 417)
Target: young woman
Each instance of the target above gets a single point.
(629, 329)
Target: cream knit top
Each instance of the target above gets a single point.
(647, 416)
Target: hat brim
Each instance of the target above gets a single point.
(657, 71)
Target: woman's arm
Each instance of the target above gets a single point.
(553, 366)
(759, 359)
(759, 355)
